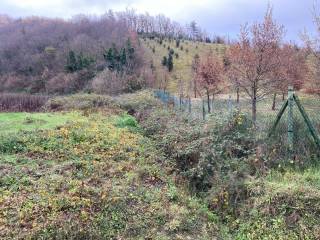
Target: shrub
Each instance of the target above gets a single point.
(139, 102)
(202, 152)
(79, 102)
(16, 82)
(64, 83)
(164, 61)
(177, 43)
(127, 121)
(111, 83)
(170, 63)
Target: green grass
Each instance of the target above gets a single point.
(294, 180)
(95, 179)
(14, 122)
(282, 205)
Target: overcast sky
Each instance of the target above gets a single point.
(221, 17)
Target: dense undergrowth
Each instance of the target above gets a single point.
(96, 177)
(157, 175)
(241, 177)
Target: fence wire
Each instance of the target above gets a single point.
(223, 105)
(305, 148)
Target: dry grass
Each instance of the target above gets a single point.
(182, 65)
(14, 102)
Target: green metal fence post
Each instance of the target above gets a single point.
(306, 118)
(280, 113)
(290, 119)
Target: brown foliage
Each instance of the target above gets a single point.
(256, 57)
(11, 102)
(313, 49)
(210, 74)
(292, 70)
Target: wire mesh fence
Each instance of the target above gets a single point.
(223, 104)
(226, 105)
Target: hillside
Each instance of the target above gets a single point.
(182, 64)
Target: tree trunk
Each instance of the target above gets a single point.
(238, 95)
(208, 98)
(283, 96)
(212, 100)
(254, 104)
(195, 88)
(274, 101)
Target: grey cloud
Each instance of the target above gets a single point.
(223, 20)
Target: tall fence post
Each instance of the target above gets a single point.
(290, 120)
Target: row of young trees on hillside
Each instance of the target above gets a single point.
(259, 64)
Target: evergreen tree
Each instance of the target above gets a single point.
(130, 49)
(109, 58)
(164, 61)
(116, 57)
(120, 60)
(170, 63)
(71, 62)
(77, 62)
(123, 57)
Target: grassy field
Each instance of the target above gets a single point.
(14, 122)
(90, 177)
(186, 51)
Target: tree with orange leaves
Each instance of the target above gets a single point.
(312, 43)
(256, 57)
(210, 75)
(292, 70)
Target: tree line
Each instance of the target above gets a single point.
(260, 63)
